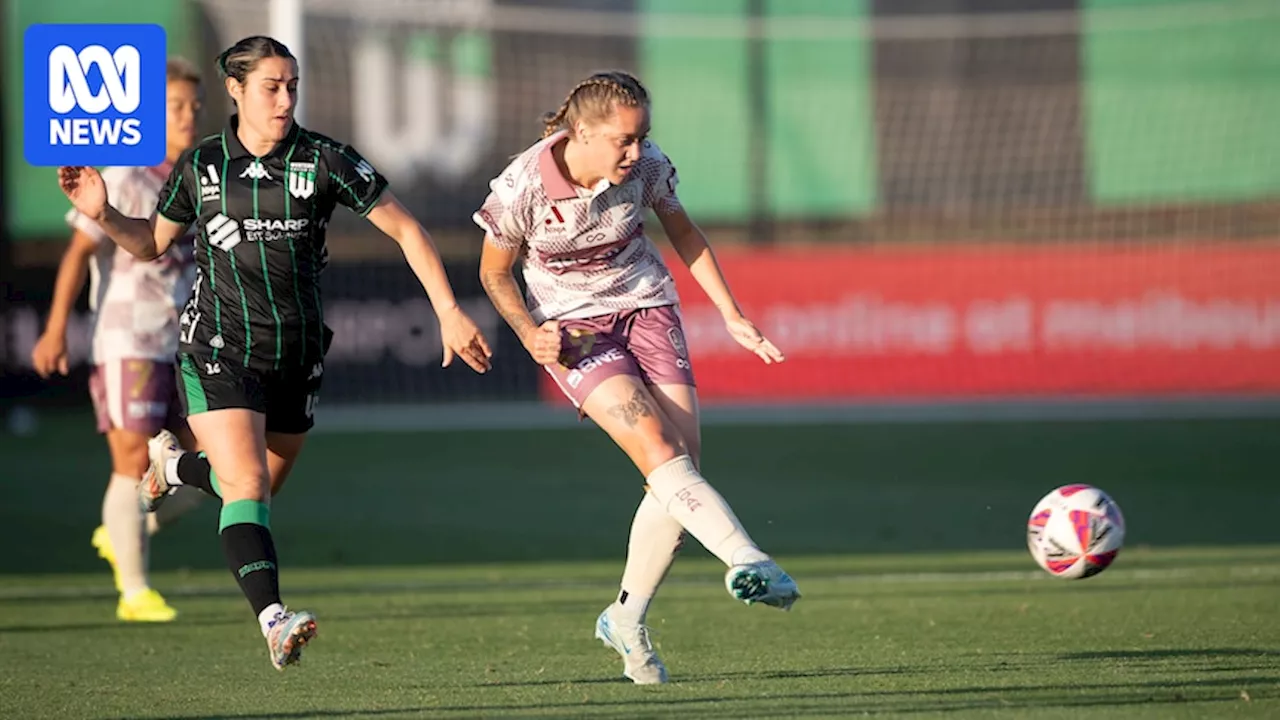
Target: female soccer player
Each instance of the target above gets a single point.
(252, 337)
(602, 317)
(134, 338)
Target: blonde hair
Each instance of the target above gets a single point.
(593, 100)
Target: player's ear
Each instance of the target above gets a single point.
(234, 89)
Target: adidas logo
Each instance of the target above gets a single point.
(223, 232)
(256, 172)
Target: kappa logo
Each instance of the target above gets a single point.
(256, 171)
(302, 179)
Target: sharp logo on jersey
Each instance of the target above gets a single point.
(274, 224)
(302, 179)
(255, 171)
(224, 233)
(210, 188)
(365, 169)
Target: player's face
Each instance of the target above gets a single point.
(615, 143)
(182, 113)
(268, 97)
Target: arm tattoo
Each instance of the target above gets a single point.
(505, 295)
(632, 410)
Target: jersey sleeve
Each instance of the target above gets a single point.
(121, 195)
(352, 179)
(177, 199)
(502, 216)
(660, 179)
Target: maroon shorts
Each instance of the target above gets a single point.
(135, 395)
(647, 343)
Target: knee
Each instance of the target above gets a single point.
(663, 445)
(244, 485)
(130, 458)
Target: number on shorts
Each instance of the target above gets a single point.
(141, 370)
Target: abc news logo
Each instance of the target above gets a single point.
(94, 95)
(69, 88)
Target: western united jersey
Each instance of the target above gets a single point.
(260, 241)
(586, 253)
(135, 304)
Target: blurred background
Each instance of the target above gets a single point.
(944, 211)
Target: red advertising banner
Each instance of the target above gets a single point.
(999, 321)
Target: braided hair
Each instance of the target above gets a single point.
(594, 99)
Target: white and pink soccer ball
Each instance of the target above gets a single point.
(1075, 532)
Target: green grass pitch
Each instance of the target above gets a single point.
(459, 575)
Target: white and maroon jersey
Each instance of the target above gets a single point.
(135, 303)
(585, 251)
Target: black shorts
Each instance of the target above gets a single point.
(286, 396)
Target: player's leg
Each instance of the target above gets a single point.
(133, 394)
(226, 408)
(655, 338)
(182, 499)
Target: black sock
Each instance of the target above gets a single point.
(194, 470)
(251, 554)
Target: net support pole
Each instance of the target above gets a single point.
(285, 20)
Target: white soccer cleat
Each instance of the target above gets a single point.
(155, 486)
(762, 582)
(289, 632)
(641, 663)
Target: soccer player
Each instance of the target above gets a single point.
(602, 316)
(135, 309)
(252, 337)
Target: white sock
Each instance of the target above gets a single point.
(690, 499)
(175, 506)
(655, 539)
(122, 517)
(171, 471)
(266, 616)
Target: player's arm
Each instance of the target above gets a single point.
(691, 245)
(50, 352)
(496, 263)
(144, 239)
(459, 333)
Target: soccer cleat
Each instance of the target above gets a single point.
(287, 635)
(101, 542)
(762, 582)
(155, 486)
(641, 663)
(145, 606)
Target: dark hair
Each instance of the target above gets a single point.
(178, 68)
(240, 59)
(594, 99)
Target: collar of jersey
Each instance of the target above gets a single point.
(556, 185)
(236, 150)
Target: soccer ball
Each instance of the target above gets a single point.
(1075, 532)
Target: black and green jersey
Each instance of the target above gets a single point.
(260, 241)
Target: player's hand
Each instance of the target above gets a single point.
(50, 354)
(749, 337)
(84, 187)
(460, 336)
(544, 343)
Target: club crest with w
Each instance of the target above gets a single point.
(302, 179)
